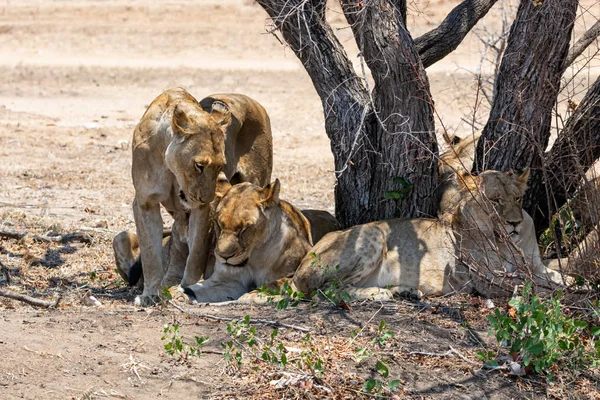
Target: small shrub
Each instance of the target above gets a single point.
(176, 347)
(540, 336)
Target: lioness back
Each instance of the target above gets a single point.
(413, 255)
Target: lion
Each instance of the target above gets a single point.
(259, 239)
(458, 161)
(126, 247)
(179, 148)
(472, 252)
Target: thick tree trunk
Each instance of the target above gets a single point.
(518, 129)
(373, 141)
(402, 148)
(575, 150)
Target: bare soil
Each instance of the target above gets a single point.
(76, 77)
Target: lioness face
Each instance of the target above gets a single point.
(499, 195)
(241, 221)
(196, 154)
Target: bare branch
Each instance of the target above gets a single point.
(269, 322)
(29, 300)
(316, 46)
(579, 47)
(67, 237)
(441, 41)
(575, 150)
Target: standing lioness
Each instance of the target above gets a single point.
(179, 148)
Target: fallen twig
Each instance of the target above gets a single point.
(462, 357)
(258, 321)
(5, 272)
(30, 300)
(65, 238)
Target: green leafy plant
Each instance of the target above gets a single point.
(175, 345)
(245, 344)
(540, 336)
(402, 192)
(287, 296)
(381, 383)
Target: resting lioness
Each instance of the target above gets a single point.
(428, 256)
(179, 148)
(125, 244)
(260, 239)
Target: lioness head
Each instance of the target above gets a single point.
(496, 199)
(242, 221)
(196, 153)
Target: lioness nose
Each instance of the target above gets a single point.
(226, 251)
(514, 223)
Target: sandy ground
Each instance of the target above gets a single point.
(76, 77)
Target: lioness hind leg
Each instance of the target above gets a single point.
(126, 250)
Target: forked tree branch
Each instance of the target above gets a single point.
(575, 150)
(441, 41)
(305, 30)
(579, 47)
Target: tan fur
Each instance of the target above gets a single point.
(454, 164)
(427, 256)
(180, 146)
(126, 248)
(260, 239)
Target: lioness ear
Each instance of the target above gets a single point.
(522, 178)
(466, 180)
(270, 194)
(181, 122)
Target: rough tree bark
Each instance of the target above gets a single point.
(439, 42)
(518, 128)
(402, 132)
(375, 138)
(379, 136)
(575, 150)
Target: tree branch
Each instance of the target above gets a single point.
(29, 300)
(564, 166)
(579, 47)
(274, 323)
(67, 237)
(518, 129)
(403, 109)
(441, 41)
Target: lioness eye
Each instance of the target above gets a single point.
(199, 167)
(518, 199)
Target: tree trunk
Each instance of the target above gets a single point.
(374, 141)
(402, 150)
(517, 132)
(575, 150)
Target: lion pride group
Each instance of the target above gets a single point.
(209, 163)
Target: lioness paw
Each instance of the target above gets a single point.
(145, 300)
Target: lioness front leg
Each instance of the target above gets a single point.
(199, 242)
(148, 224)
(178, 251)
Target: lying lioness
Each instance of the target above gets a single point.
(269, 236)
(260, 239)
(179, 148)
(471, 253)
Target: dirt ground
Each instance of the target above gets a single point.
(76, 77)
